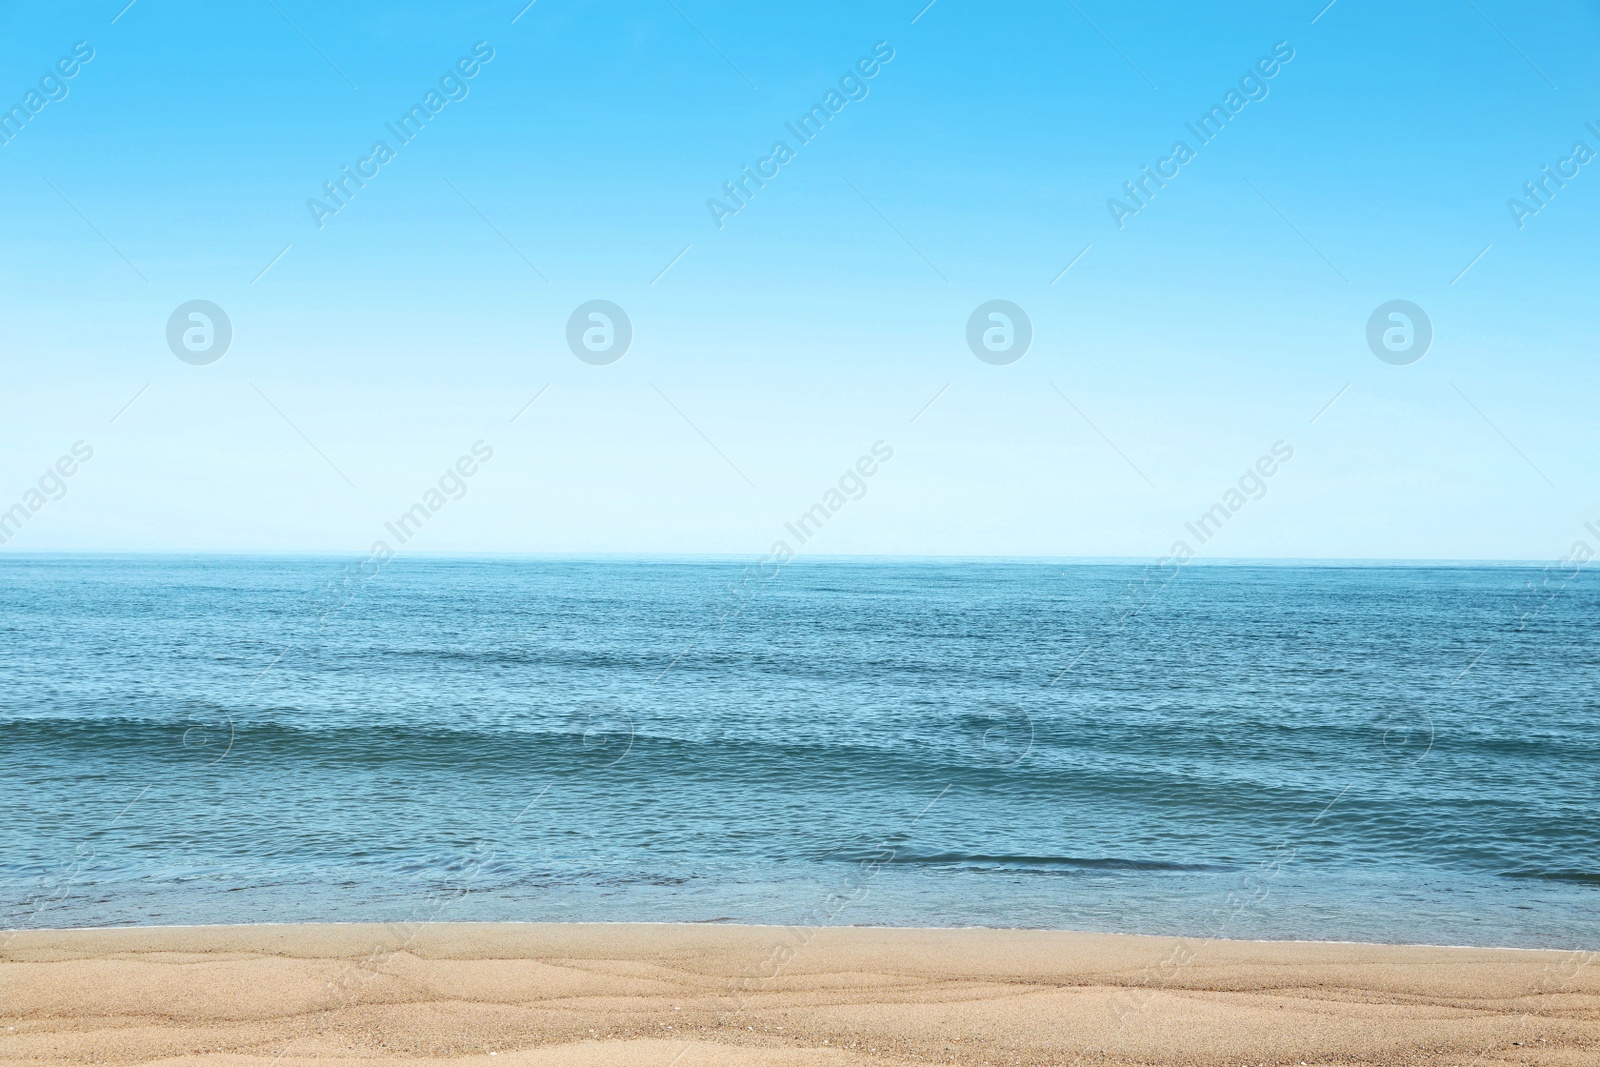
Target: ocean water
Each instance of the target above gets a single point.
(1379, 753)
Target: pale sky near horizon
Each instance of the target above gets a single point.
(575, 163)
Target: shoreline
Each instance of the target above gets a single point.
(789, 926)
(698, 994)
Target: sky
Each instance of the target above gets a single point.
(970, 153)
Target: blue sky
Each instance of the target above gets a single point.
(770, 353)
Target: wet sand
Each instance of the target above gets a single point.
(596, 995)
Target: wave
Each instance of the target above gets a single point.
(1578, 877)
(978, 860)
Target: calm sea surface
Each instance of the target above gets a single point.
(1264, 751)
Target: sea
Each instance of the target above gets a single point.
(1265, 750)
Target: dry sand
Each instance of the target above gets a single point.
(508, 994)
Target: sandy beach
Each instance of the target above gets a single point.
(687, 996)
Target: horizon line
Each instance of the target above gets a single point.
(487, 556)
